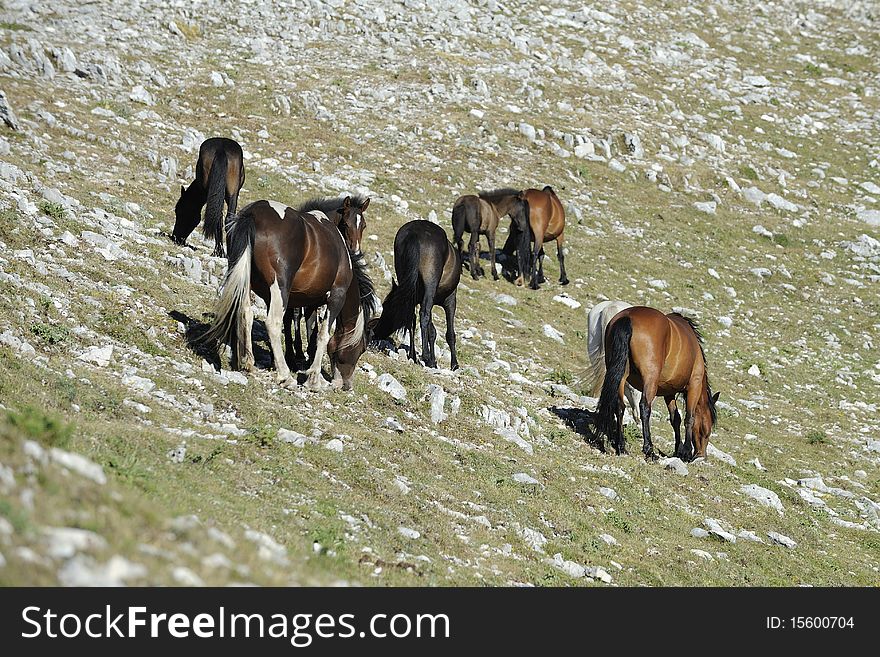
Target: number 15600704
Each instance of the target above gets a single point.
(810, 623)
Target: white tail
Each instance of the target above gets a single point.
(229, 313)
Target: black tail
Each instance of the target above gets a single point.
(459, 220)
(399, 306)
(616, 358)
(525, 245)
(216, 196)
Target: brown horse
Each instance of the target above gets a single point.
(479, 215)
(219, 177)
(546, 219)
(428, 271)
(659, 355)
(288, 258)
(351, 225)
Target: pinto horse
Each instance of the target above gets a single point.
(598, 319)
(546, 220)
(428, 270)
(289, 258)
(659, 355)
(219, 178)
(351, 224)
(479, 215)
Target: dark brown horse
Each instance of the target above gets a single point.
(289, 258)
(479, 215)
(659, 355)
(219, 178)
(428, 270)
(351, 224)
(546, 219)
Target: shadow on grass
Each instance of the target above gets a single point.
(582, 422)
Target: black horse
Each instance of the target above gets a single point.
(428, 270)
(219, 178)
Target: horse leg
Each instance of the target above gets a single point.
(633, 396)
(274, 327)
(449, 308)
(560, 256)
(288, 337)
(326, 320)
(535, 254)
(412, 338)
(426, 323)
(645, 411)
(474, 254)
(491, 237)
(687, 450)
(675, 421)
(541, 278)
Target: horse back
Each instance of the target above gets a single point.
(546, 214)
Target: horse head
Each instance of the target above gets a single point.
(351, 222)
(704, 421)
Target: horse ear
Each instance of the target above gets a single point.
(346, 204)
(715, 397)
(365, 204)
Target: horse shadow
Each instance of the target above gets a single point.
(582, 422)
(195, 329)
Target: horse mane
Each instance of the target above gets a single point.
(328, 205)
(365, 287)
(696, 329)
(495, 194)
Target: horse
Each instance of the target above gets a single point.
(428, 270)
(546, 220)
(597, 321)
(358, 317)
(479, 215)
(659, 355)
(289, 258)
(219, 177)
(353, 208)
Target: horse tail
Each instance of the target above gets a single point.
(229, 310)
(525, 243)
(616, 360)
(213, 227)
(400, 304)
(459, 219)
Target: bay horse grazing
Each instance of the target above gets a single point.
(659, 355)
(428, 270)
(598, 319)
(479, 215)
(219, 178)
(351, 224)
(288, 258)
(546, 220)
(356, 320)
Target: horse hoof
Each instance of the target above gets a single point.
(651, 457)
(519, 281)
(288, 383)
(315, 384)
(564, 281)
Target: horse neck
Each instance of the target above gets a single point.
(502, 204)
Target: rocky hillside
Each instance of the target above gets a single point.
(718, 158)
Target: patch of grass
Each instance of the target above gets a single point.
(15, 27)
(748, 172)
(816, 437)
(41, 426)
(563, 377)
(813, 69)
(50, 334)
(619, 522)
(54, 210)
(781, 240)
(16, 517)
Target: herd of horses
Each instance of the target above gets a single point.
(306, 262)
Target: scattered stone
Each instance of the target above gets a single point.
(716, 453)
(437, 398)
(7, 115)
(553, 334)
(334, 445)
(295, 438)
(408, 533)
(392, 386)
(99, 356)
(716, 529)
(763, 496)
(676, 465)
(523, 478)
(78, 464)
(610, 493)
(781, 539)
(391, 423)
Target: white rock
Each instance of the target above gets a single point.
(570, 568)
(79, 464)
(506, 299)
(716, 453)
(725, 321)
(523, 478)
(781, 539)
(614, 165)
(706, 206)
(608, 538)
(703, 555)
(754, 195)
(408, 533)
(533, 538)
(597, 572)
(437, 398)
(268, 548)
(699, 532)
(216, 79)
(553, 334)
(185, 577)
(65, 542)
(755, 462)
(294, 437)
(716, 529)
(100, 356)
(610, 493)
(334, 445)
(658, 283)
(82, 570)
(140, 95)
(392, 386)
(763, 496)
(391, 423)
(756, 80)
(870, 217)
(566, 300)
(585, 149)
(780, 203)
(528, 131)
(676, 465)
(754, 370)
